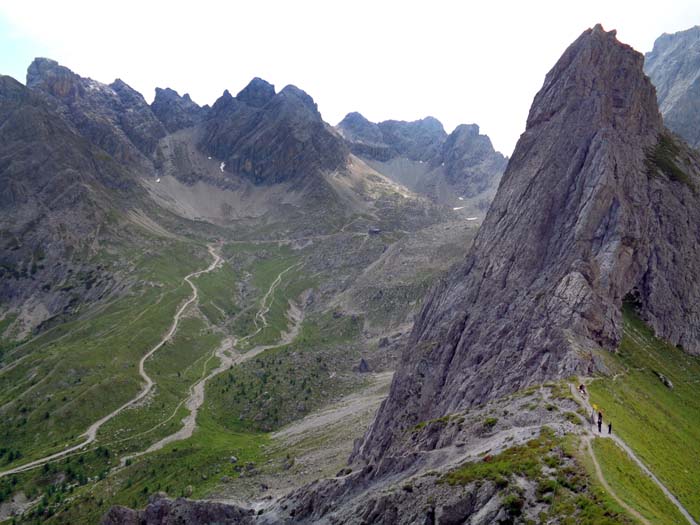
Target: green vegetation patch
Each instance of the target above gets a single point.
(664, 157)
(562, 484)
(285, 383)
(661, 424)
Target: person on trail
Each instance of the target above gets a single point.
(600, 422)
(582, 389)
(609, 428)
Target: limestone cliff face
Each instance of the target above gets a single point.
(674, 68)
(588, 211)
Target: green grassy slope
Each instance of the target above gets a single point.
(633, 486)
(662, 425)
(72, 375)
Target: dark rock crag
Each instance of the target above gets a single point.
(674, 68)
(114, 117)
(465, 159)
(586, 214)
(174, 111)
(271, 137)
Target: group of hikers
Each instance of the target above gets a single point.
(594, 418)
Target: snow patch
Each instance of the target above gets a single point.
(222, 166)
(461, 198)
(158, 179)
(458, 208)
(472, 218)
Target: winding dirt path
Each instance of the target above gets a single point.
(265, 305)
(91, 433)
(586, 442)
(229, 357)
(618, 440)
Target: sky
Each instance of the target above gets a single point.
(459, 61)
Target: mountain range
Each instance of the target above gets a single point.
(234, 299)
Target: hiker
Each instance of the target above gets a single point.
(609, 428)
(600, 422)
(582, 389)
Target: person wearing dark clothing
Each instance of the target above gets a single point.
(609, 428)
(600, 422)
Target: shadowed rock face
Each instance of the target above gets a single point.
(674, 68)
(271, 138)
(114, 117)
(174, 111)
(55, 190)
(472, 166)
(583, 217)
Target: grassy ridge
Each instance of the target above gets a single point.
(661, 424)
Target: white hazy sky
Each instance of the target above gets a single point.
(459, 61)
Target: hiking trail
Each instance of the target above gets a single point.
(91, 433)
(591, 433)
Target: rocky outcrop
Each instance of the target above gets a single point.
(674, 68)
(271, 138)
(114, 117)
(163, 511)
(598, 203)
(174, 111)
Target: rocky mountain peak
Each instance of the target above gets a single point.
(471, 164)
(356, 128)
(674, 68)
(298, 97)
(257, 93)
(174, 111)
(59, 81)
(115, 117)
(242, 131)
(585, 216)
(417, 140)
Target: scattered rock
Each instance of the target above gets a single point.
(363, 367)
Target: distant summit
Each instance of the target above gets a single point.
(271, 137)
(674, 68)
(115, 117)
(174, 111)
(423, 157)
(257, 93)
